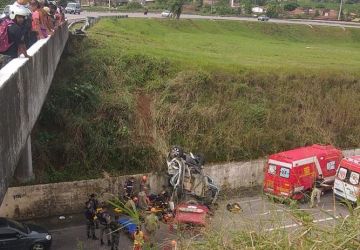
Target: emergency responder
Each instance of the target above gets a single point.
(129, 187)
(143, 200)
(104, 219)
(115, 233)
(131, 203)
(317, 191)
(95, 205)
(138, 239)
(90, 223)
(93, 201)
(165, 196)
(151, 225)
(144, 183)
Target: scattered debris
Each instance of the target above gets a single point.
(234, 207)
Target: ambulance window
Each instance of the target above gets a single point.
(272, 169)
(342, 173)
(330, 165)
(285, 172)
(354, 178)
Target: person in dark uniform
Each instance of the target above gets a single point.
(115, 233)
(129, 187)
(90, 221)
(105, 220)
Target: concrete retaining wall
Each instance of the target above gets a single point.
(24, 84)
(63, 198)
(69, 197)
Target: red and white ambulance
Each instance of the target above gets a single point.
(291, 174)
(347, 185)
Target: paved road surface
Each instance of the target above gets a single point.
(259, 214)
(187, 16)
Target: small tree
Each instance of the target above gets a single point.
(273, 9)
(176, 7)
(290, 6)
(247, 6)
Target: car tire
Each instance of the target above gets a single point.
(38, 246)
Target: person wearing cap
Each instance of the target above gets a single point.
(151, 225)
(15, 30)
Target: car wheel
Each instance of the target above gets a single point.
(38, 246)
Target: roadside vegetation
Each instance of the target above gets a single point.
(230, 90)
(339, 233)
(276, 9)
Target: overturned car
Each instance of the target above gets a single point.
(187, 178)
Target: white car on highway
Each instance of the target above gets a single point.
(263, 18)
(166, 13)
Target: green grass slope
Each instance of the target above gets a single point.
(231, 90)
(232, 44)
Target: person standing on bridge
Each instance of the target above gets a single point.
(14, 40)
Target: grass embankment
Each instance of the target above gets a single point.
(232, 90)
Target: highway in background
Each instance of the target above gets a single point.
(310, 23)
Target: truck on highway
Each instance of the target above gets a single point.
(347, 185)
(291, 174)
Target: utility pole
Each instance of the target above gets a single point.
(341, 3)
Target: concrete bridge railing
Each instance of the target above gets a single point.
(24, 84)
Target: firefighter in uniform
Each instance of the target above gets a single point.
(317, 191)
(152, 225)
(138, 239)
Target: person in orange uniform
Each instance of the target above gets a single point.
(138, 239)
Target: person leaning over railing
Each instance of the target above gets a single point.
(13, 43)
(48, 20)
(44, 24)
(36, 23)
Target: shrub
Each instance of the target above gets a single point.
(134, 6)
(290, 6)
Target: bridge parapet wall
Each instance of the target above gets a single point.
(24, 84)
